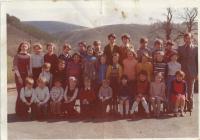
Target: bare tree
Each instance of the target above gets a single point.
(167, 25)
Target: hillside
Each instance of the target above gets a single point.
(54, 27)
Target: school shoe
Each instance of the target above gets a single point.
(182, 114)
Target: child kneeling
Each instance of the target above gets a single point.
(41, 98)
(142, 89)
(56, 94)
(179, 91)
(27, 98)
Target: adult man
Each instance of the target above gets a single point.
(97, 48)
(188, 56)
(111, 48)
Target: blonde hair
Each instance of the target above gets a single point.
(29, 80)
(42, 80)
(46, 66)
(37, 45)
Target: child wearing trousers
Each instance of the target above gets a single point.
(142, 91)
(41, 98)
(56, 95)
(27, 98)
(124, 96)
(105, 97)
(157, 93)
(179, 93)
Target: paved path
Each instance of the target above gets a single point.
(166, 126)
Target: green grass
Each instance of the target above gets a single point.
(10, 75)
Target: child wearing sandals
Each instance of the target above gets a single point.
(157, 93)
(142, 90)
(179, 91)
(27, 98)
(124, 96)
(56, 95)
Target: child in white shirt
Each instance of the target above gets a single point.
(41, 98)
(27, 98)
(46, 73)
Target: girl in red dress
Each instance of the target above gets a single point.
(21, 68)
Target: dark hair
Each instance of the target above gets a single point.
(143, 72)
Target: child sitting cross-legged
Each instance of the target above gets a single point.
(27, 98)
(87, 97)
(105, 97)
(41, 98)
(157, 93)
(124, 96)
(56, 94)
(142, 90)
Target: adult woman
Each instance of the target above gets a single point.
(21, 67)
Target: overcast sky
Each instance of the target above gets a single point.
(93, 13)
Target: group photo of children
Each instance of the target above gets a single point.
(96, 81)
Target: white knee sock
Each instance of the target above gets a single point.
(135, 104)
(145, 105)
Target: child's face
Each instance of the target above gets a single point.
(159, 57)
(72, 83)
(105, 83)
(37, 50)
(124, 81)
(76, 59)
(179, 77)
(24, 47)
(112, 40)
(87, 83)
(66, 50)
(50, 49)
(103, 60)
(41, 84)
(90, 51)
(143, 44)
(46, 69)
(61, 66)
(57, 84)
(169, 47)
(130, 55)
(174, 58)
(125, 40)
(115, 59)
(29, 85)
(142, 77)
(82, 47)
(158, 46)
(158, 79)
(97, 48)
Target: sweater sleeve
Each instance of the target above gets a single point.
(47, 96)
(35, 95)
(75, 94)
(61, 95)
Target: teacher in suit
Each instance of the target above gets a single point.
(188, 56)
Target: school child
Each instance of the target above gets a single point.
(46, 73)
(41, 98)
(88, 99)
(36, 62)
(70, 96)
(56, 95)
(90, 65)
(168, 51)
(142, 93)
(157, 93)
(158, 46)
(179, 92)
(146, 65)
(65, 54)
(126, 45)
(129, 65)
(111, 48)
(113, 74)
(60, 73)
(97, 48)
(82, 49)
(124, 96)
(173, 67)
(105, 96)
(143, 48)
(21, 68)
(101, 69)
(74, 68)
(50, 57)
(27, 98)
(159, 65)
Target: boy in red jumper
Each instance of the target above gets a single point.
(87, 98)
(179, 91)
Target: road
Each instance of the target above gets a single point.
(166, 126)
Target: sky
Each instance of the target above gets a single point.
(93, 13)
